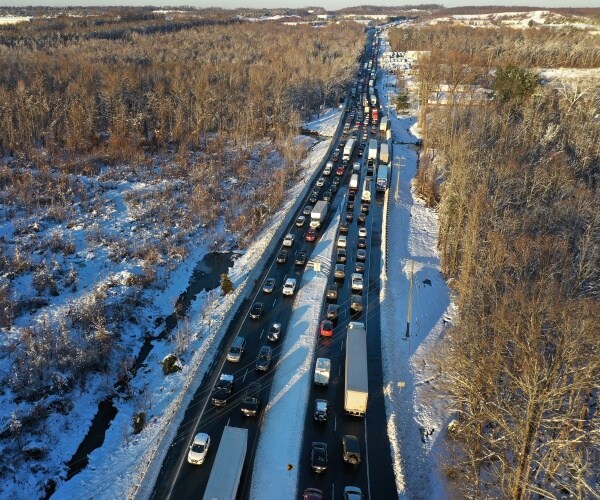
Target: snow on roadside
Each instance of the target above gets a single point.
(118, 468)
(280, 441)
(416, 412)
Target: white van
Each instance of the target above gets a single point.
(328, 168)
(341, 242)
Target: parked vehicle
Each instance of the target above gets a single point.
(289, 287)
(356, 372)
(311, 235)
(326, 328)
(288, 241)
(274, 332)
(384, 153)
(257, 310)
(373, 149)
(322, 371)
(223, 390)
(353, 182)
(263, 361)
(351, 449)
(318, 214)
(383, 175)
(236, 350)
(229, 461)
(318, 457)
(321, 410)
(199, 449)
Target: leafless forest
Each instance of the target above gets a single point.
(516, 184)
(185, 122)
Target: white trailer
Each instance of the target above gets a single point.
(322, 371)
(318, 214)
(383, 177)
(384, 153)
(356, 391)
(372, 155)
(354, 182)
(227, 468)
(348, 149)
(383, 124)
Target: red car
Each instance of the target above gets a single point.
(326, 328)
(311, 235)
(339, 170)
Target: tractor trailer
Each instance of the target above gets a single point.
(318, 214)
(227, 468)
(356, 391)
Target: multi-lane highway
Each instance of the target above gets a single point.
(178, 479)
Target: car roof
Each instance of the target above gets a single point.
(201, 438)
(226, 376)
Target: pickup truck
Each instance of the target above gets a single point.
(322, 371)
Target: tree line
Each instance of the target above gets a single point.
(516, 185)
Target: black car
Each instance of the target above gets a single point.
(257, 310)
(332, 312)
(327, 196)
(351, 196)
(223, 390)
(350, 206)
(359, 267)
(318, 456)
(263, 361)
(362, 218)
(361, 150)
(321, 410)
(313, 198)
(362, 243)
(349, 216)
(364, 207)
(341, 256)
(351, 449)
(335, 181)
(333, 188)
(282, 257)
(344, 228)
(301, 258)
(250, 406)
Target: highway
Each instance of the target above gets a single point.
(179, 480)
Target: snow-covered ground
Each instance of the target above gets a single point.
(414, 405)
(280, 440)
(117, 468)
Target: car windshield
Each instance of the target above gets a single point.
(198, 448)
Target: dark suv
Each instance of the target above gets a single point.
(318, 457)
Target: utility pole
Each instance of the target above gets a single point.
(410, 291)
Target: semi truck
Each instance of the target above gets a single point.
(227, 468)
(384, 153)
(356, 377)
(348, 149)
(383, 175)
(372, 155)
(318, 214)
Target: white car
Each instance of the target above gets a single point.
(289, 286)
(320, 181)
(199, 449)
(357, 281)
(341, 242)
(362, 232)
(288, 241)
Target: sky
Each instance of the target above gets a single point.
(328, 4)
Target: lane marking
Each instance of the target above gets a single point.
(367, 456)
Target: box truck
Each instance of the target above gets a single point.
(372, 154)
(383, 175)
(356, 391)
(348, 149)
(384, 153)
(318, 214)
(227, 468)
